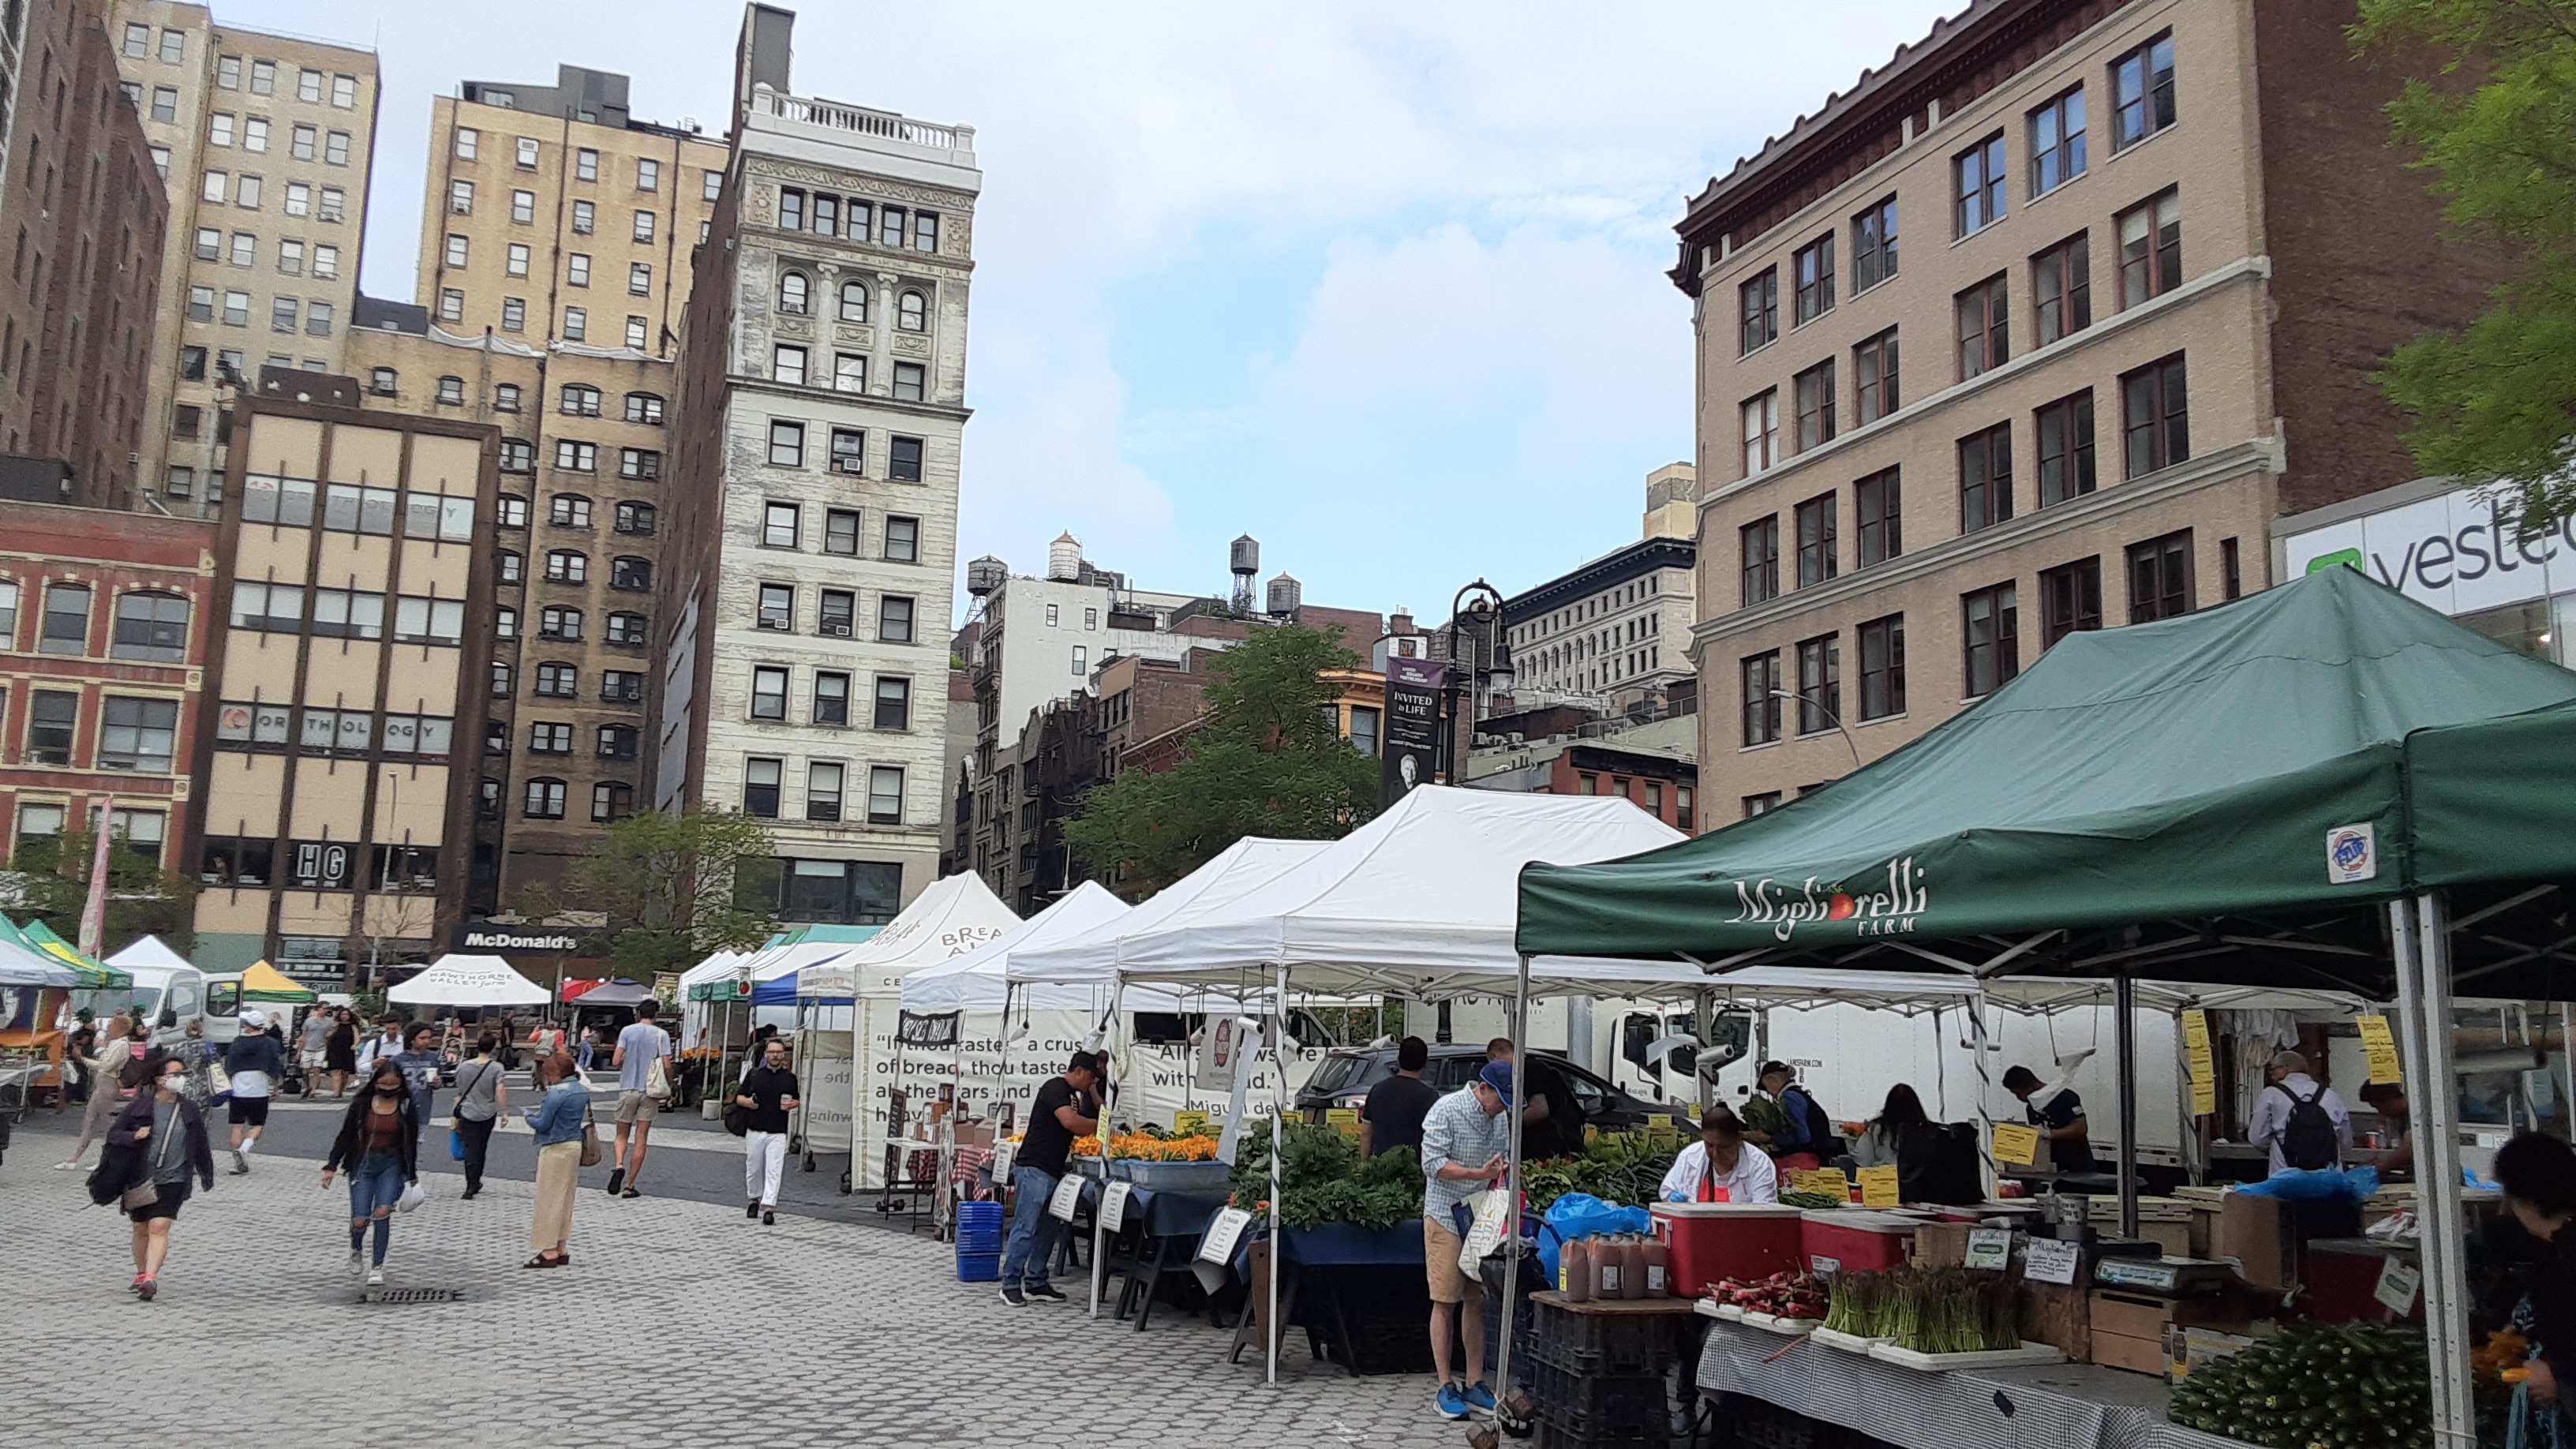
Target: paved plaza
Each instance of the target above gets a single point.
(679, 1323)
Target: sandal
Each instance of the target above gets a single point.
(542, 1261)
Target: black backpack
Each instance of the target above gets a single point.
(2308, 1139)
(1823, 1138)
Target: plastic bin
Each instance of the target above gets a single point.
(1837, 1239)
(979, 1267)
(1599, 1344)
(1711, 1241)
(1577, 1410)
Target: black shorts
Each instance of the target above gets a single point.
(249, 1112)
(167, 1205)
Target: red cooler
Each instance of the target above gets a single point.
(1837, 1239)
(1711, 1241)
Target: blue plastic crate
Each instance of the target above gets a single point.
(979, 1267)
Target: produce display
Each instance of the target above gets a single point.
(1323, 1179)
(1929, 1310)
(1782, 1295)
(2316, 1388)
(1812, 1200)
(1619, 1167)
(1141, 1147)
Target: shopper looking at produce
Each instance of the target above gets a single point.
(1064, 1110)
(2060, 1117)
(2306, 1126)
(1392, 1115)
(1802, 1135)
(1719, 1168)
(1466, 1147)
(1877, 1144)
(2538, 1174)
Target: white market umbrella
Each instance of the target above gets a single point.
(460, 980)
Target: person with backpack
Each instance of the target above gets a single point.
(1806, 1136)
(2306, 1126)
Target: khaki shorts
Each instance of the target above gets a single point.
(1440, 1249)
(637, 1107)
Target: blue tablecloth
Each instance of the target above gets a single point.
(1164, 1212)
(1339, 1245)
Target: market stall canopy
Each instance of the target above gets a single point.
(952, 917)
(263, 982)
(620, 992)
(460, 980)
(1093, 957)
(95, 975)
(22, 965)
(1417, 902)
(979, 980)
(2218, 797)
(717, 978)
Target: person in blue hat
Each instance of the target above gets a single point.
(1466, 1147)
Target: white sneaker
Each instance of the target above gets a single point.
(375, 1277)
(357, 1262)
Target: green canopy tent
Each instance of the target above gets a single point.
(94, 975)
(2322, 786)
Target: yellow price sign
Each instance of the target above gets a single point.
(2204, 1063)
(1824, 1182)
(1878, 1187)
(2381, 1049)
(1185, 1123)
(1345, 1118)
(2016, 1143)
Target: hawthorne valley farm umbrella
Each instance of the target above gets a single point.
(461, 980)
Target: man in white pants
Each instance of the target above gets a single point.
(768, 1093)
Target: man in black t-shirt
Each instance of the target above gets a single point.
(1552, 1122)
(768, 1094)
(1392, 1115)
(1065, 1109)
(2060, 1119)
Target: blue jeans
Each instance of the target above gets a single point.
(1033, 1232)
(586, 1049)
(375, 1184)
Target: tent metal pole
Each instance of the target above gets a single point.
(1502, 1384)
(1108, 1096)
(2437, 1178)
(2124, 1036)
(1985, 1092)
(1272, 1331)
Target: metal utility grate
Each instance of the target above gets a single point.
(412, 1295)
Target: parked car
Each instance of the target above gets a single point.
(1344, 1078)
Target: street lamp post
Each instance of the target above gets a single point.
(1836, 720)
(1478, 641)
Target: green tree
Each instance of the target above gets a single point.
(52, 879)
(1266, 760)
(2494, 402)
(672, 888)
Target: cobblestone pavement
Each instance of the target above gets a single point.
(678, 1323)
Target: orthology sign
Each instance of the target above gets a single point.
(1412, 749)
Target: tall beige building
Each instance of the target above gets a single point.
(554, 264)
(265, 142)
(2035, 329)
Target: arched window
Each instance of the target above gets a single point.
(567, 566)
(509, 567)
(571, 510)
(545, 800)
(580, 400)
(635, 518)
(611, 800)
(518, 455)
(911, 312)
(556, 622)
(792, 290)
(558, 681)
(854, 300)
(631, 573)
(451, 390)
(151, 627)
(644, 407)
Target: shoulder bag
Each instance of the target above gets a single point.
(737, 1117)
(589, 1139)
(657, 1078)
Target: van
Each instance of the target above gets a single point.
(170, 997)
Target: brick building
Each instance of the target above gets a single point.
(83, 219)
(2174, 226)
(105, 619)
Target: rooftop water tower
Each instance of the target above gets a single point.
(1246, 563)
(1064, 560)
(1285, 595)
(985, 576)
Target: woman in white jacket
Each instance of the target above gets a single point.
(1719, 1167)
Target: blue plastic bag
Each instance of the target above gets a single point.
(2293, 1185)
(1581, 1215)
(455, 1144)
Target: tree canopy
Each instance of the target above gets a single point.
(2496, 400)
(52, 878)
(1266, 759)
(673, 887)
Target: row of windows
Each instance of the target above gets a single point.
(2160, 586)
(572, 566)
(1635, 592)
(836, 614)
(251, 133)
(140, 831)
(134, 733)
(236, 862)
(543, 799)
(523, 212)
(313, 318)
(555, 737)
(626, 629)
(149, 626)
(2061, 290)
(249, 192)
(2142, 93)
(848, 217)
(241, 249)
(790, 363)
(890, 708)
(2155, 432)
(351, 508)
(782, 525)
(764, 777)
(254, 724)
(558, 680)
(528, 152)
(572, 455)
(310, 85)
(849, 452)
(577, 265)
(581, 400)
(796, 298)
(346, 614)
(576, 320)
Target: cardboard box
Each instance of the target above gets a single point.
(975, 1134)
(2131, 1330)
(2254, 1232)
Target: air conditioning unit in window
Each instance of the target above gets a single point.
(836, 629)
(851, 466)
(779, 624)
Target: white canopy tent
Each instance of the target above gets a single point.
(151, 954)
(954, 916)
(1093, 957)
(979, 979)
(460, 980)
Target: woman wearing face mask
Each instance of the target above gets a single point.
(168, 1137)
(379, 1143)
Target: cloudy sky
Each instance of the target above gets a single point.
(1381, 285)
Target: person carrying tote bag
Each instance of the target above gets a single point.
(565, 1144)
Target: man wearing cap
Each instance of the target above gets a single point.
(1466, 1147)
(2059, 1115)
(1067, 1107)
(255, 1062)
